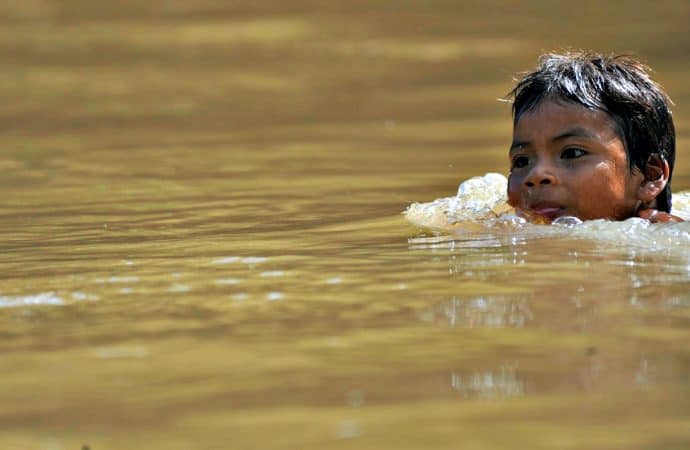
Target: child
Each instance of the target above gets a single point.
(593, 137)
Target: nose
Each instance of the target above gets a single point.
(540, 175)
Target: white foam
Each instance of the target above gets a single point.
(227, 260)
(478, 199)
(481, 206)
(44, 298)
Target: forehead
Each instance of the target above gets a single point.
(555, 116)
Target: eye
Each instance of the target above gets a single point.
(520, 161)
(573, 153)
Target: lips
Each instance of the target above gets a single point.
(548, 210)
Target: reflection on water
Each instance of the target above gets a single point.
(588, 279)
(485, 311)
(488, 385)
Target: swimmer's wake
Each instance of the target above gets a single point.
(480, 206)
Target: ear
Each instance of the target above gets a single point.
(656, 173)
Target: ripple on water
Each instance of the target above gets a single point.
(274, 296)
(251, 260)
(44, 298)
(117, 279)
(240, 296)
(227, 281)
(247, 260)
(79, 295)
(227, 260)
(272, 274)
(179, 287)
(121, 352)
(348, 429)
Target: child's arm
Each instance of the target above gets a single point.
(656, 216)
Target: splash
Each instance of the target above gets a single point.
(478, 201)
(480, 205)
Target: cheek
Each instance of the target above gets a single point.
(604, 182)
(602, 195)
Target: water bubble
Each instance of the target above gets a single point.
(567, 221)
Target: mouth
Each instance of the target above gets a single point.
(546, 210)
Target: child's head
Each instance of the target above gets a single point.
(575, 117)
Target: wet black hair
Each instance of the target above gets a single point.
(620, 86)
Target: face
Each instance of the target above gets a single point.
(567, 160)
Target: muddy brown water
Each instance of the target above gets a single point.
(202, 246)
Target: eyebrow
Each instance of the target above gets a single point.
(577, 132)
